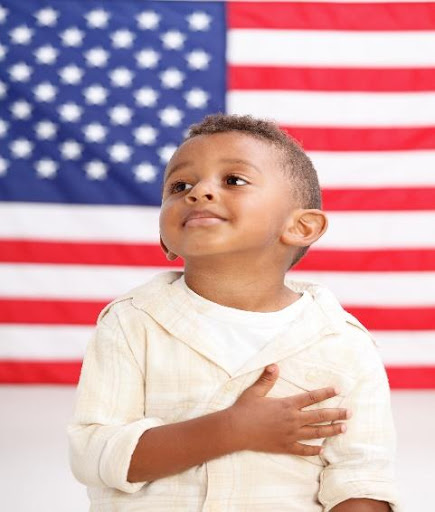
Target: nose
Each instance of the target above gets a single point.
(202, 191)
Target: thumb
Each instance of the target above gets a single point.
(266, 381)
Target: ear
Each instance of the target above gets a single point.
(304, 227)
(171, 256)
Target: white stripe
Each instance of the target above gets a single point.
(105, 283)
(406, 348)
(78, 222)
(381, 49)
(140, 225)
(35, 342)
(39, 342)
(374, 230)
(389, 169)
(346, 109)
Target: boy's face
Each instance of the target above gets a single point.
(225, 193)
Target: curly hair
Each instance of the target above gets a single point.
(296, 164)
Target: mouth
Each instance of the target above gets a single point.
(202, 218)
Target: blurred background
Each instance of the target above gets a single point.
(94, 98)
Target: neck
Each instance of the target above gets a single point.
(247, 287)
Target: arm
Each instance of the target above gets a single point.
(360, 465)
(362, 505)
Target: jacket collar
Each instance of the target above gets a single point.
(170, 307)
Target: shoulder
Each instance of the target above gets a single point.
(138, 298)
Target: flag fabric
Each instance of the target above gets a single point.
(94, 98)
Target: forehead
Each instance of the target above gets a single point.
(226, 146)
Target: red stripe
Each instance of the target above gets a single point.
(330, 79)
(61, 372)
(63, 312)
(395, 318)
(363, 139)
(84, 253)
(28, 251)
(379, 199)
(331, 16)
(39, 372)
(418, 377)
(368, 260)
(52, 312)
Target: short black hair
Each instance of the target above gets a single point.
(296, 164)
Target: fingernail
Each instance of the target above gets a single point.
(337, 390)
(348, 414)
(343, 429)
(271, 368)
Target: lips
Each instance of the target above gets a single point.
(208, 217)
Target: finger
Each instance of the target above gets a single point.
(324, 415)
(265, 382)
(313, 397)
(321, 431)
(305, 450)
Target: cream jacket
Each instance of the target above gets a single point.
(150, 363)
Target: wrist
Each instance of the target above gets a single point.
(236, 433)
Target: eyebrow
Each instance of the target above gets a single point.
(181, 165)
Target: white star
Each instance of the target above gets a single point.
(3, 127)
(3, 51)
(199, 21)
(145, 172)
(21, 109)
(94, 132)
(71, 150)
(46, 168)
(20, 72)
(97, 57)
(70, 112)
(147, 58)
(120, 152)
(3, 14)
(172, 78)
(170, 116)
(121, 77)
(95, 94)
(173, 40)
(165, 152)
(146, 97)
(120, 114)
(145, 134)
(45, 92)
(47, 17)
(71, 74)
(21, 35)
(148, 20)
(196, 98)
(97, 18)
(21, 148)
(198, 59)
(122, 38)
(46, 54)
(96, 170)
(72, 37)
(3, 90)
(45, 130)
(3, 166)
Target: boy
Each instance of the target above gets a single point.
(230, 387)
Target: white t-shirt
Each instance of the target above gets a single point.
(242, 333)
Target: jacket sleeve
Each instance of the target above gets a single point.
(109, 416)
(360, 462)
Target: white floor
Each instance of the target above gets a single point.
(34, 472)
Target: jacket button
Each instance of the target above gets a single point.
(229, 386)
(312, 375)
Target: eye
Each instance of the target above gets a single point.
(179, 186)
(236, 180)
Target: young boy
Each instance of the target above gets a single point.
(230, 387)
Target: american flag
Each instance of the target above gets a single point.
(95, 96)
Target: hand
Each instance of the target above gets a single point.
(276, 425)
